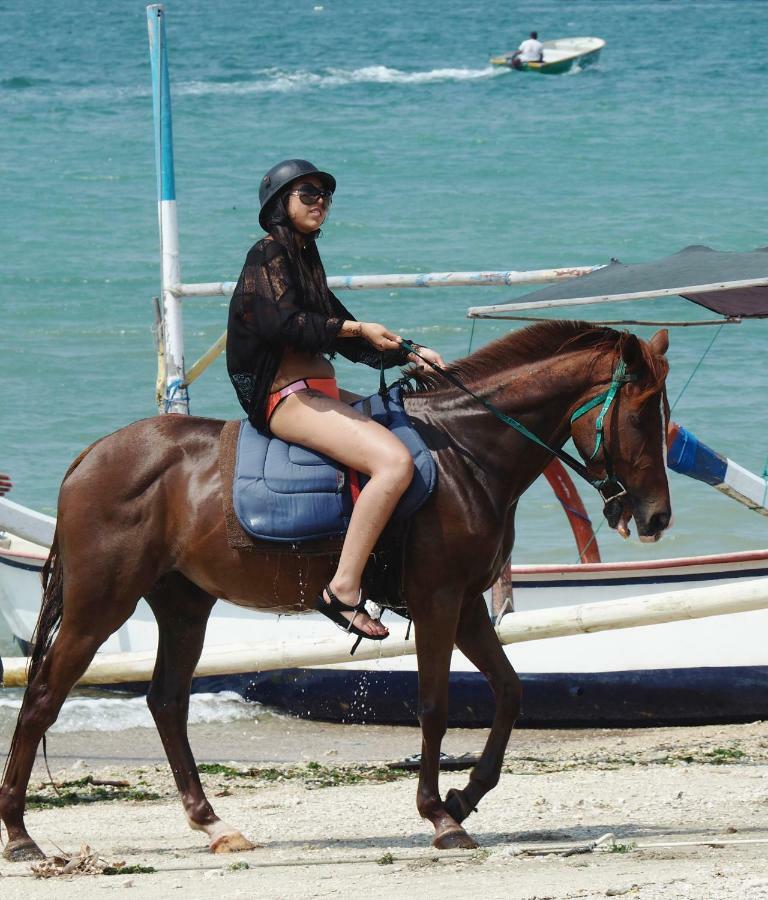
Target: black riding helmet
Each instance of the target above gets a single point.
(284, 173)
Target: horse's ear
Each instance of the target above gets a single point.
(631, 351)
(660, 342)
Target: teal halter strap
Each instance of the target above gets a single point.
(620, 377)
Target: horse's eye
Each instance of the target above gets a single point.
(634, 420)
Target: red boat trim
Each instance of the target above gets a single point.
(18, 553)
(717, 559)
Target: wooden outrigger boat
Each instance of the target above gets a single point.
(705, 670)
(560, 55)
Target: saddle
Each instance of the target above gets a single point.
(288, 494)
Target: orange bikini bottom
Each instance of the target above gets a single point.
(325, 386)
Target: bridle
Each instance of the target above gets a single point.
(609, 487)
(620, 377)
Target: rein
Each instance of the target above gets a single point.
(609, 488)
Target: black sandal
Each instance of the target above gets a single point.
(333, 610)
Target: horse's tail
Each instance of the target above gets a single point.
(52, 607)
(48, 623)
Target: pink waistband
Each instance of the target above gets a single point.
(325, 386)
(293, 388)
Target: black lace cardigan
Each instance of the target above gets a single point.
(266, 315)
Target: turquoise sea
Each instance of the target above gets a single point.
(443, 163)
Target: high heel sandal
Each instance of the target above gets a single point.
(333, 608)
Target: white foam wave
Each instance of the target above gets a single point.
(265, 81)
(281, 82)
(122, 713)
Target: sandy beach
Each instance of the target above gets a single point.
(686, 811)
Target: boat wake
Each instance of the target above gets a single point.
(121, 713)
(279, 81)
(259, 81)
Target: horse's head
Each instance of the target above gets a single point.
(622, 438)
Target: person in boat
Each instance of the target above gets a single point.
(531, 50)
(5, 484)
(284, 327)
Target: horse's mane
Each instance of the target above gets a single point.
(542, 341)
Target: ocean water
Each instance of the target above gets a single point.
(91, 710)
(443, 163)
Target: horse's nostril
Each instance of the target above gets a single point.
(659, 521)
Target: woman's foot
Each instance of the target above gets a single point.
(360, 619)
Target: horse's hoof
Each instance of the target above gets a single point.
(22, 851)
(231, 843)
(454, 839)
(457, 805)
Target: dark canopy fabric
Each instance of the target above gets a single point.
(692, 267)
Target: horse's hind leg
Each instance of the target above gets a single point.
(478, 641)
(182, 611)
(66, 661)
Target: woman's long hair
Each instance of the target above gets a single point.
(303, 254)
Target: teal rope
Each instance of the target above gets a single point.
(471, 336)
(593, 539)
(696, 367)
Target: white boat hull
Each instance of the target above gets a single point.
(559, 56)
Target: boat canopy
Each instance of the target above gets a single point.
(734, 285)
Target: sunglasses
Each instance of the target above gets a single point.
(309, 195)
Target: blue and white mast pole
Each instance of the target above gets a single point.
(175, 398)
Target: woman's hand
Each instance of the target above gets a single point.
(379, 336)
(426, 356)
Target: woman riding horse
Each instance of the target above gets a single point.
(284, 323)
(141, 514)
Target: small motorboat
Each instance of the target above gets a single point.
(560, 55)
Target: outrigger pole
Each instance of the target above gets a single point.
(528, 625)
(172, 391)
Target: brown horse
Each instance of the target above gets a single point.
(141, 514)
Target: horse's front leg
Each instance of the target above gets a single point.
(182, 611)
(478, 641)
(434, 645)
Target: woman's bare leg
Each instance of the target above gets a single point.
(335, 429)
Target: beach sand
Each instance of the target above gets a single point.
(687, 808)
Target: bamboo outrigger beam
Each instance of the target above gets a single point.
(629, 612)
(376, 282)
(198, 367)
(423, 280)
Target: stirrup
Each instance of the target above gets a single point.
(333, 611)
